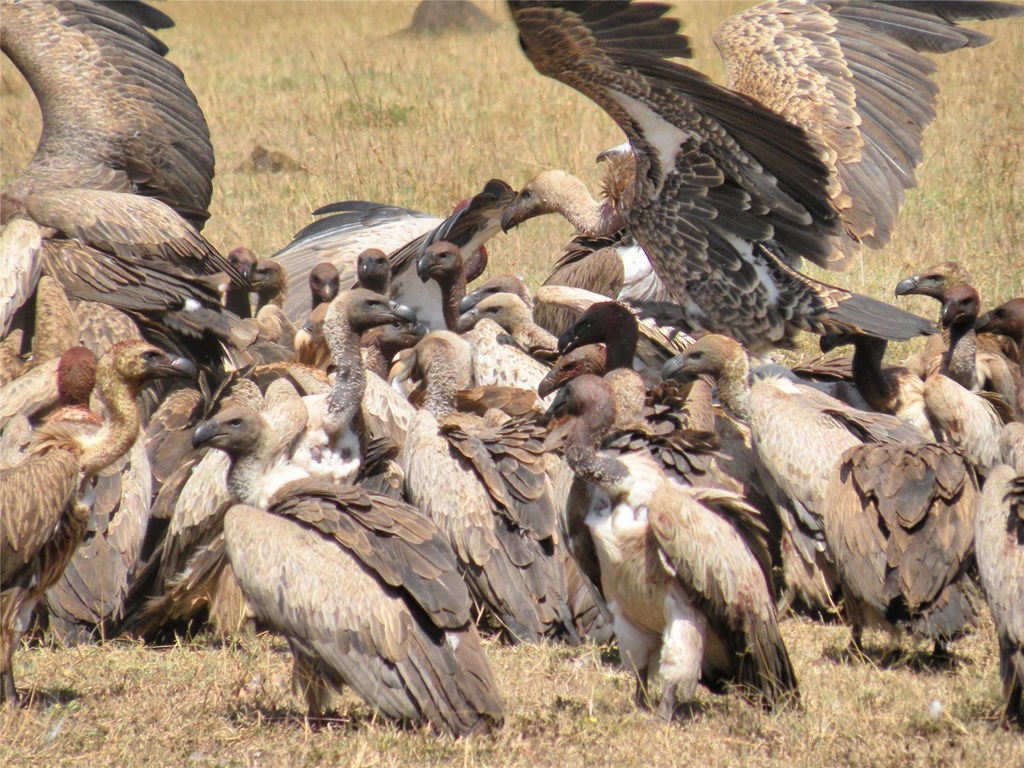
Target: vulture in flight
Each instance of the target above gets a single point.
(805, 155)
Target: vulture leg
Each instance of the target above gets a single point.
(681, 656)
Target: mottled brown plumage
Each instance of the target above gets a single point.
(44, 520)
(999, 549)
(900, 529)
(729, 194)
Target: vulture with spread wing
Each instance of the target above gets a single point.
(804, 156)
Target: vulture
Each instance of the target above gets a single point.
(798, 436)
(684, 571)
(987, 360)
(485, 485)
(999, 550)
(121, 178)
(900, 528)
(970, 420)
(44, 509)
(805, 155)
(356, 225)
(1008, 320)
(364, 588)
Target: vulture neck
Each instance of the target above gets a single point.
(442, 382)
(453, 289)
(734, 388)
(874, 386)
(581, 451)
(959, 358)
(121, 427)
(346, 395)
(620, 347)
(630, 394)
(246, 473)
(573, 200)
(236, 299)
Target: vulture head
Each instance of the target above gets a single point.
(571, 365)
(505, 309)
(497, 284)
(933, 281)
(587, 399)
(1006, 320)
(236, 430)
(710, 355)
(441, 262)
(441, 357)
(960, 305)
(373, 270)
(136, 362)
(536, 198)
(324, 282)
(609, 322)
(362, 310)
(392, 338)
(243, 260)
(268, 280)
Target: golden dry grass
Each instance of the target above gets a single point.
(423, 123)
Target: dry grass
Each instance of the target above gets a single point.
(205, 704)
(424, 124)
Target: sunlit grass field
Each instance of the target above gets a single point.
(424, 123)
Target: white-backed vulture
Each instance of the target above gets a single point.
(798, 436)
(43, 516)
(1008, 320)
(805, 156)
(972, 421)
(999, 550)
(895, 390)
(487, 490)
(324, 283)
(995, 368)
(684, 571)
(373, 271)
(364, 587)
(900, 527)
(513, 315)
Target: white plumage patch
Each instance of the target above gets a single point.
(662, 137)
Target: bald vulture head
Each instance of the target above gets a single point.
(441, 262)
(607, 322)
(934, 280)
(268, 280)
(137, 362)
(1005, 320)
(243, 260)
(960, 305)
(361, 310)
(236, 430)
(582, 360)
(506, 309)
(586, 397)
(324, 282)
(497, 284)
(710, 356)
(537, 198)
(373, 270)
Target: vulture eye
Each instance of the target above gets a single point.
(1000, 313)
(526, 194)
(696, 355)
(235, 423)
(151, 354)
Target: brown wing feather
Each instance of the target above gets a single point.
(117, 115)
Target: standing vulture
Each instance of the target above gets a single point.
(43, 510)
(363, 586)
(805, 156)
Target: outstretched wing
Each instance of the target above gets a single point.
(853, 75)
(117, 115)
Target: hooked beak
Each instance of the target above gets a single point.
(568, 341)
(204, 433)
(675, 369)
(403, 367)
(403, 312)
(423, 266)
(551, 381)
(468, 301)
(950, 312)
(175, 366)
(907, 285)
(510, 218)
(467, 321)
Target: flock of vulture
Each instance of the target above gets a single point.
(346, 445)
